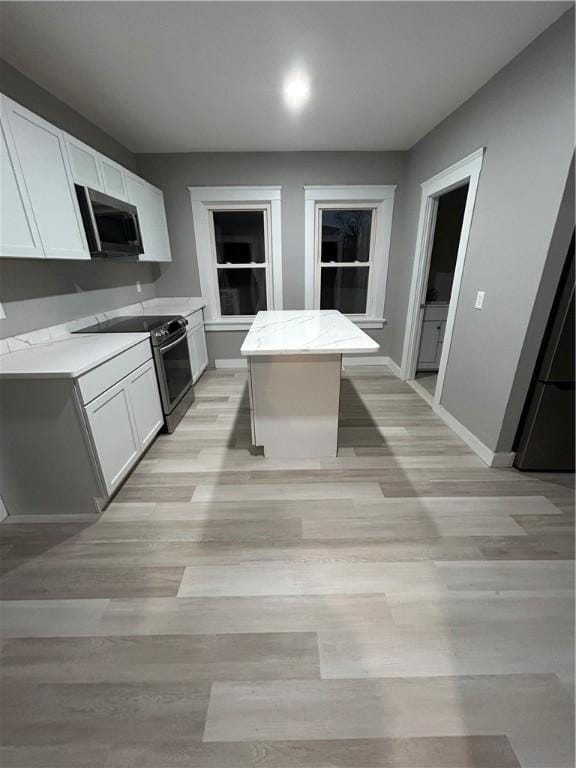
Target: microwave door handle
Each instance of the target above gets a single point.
(93, 221)
(137, 231)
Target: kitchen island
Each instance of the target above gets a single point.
(294, 368)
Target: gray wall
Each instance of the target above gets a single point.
(37, 293)
(292, 170)
(524, 117)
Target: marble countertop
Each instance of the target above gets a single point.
(177, 305)
(305, 332)
(68, 357)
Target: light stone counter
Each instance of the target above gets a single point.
(294, 367)
(305, 332)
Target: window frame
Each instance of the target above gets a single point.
(378, 198)
(204, 201)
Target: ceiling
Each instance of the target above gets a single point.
(188, 76)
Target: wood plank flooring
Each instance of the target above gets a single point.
(400, 606)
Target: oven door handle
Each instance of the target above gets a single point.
(173, 344)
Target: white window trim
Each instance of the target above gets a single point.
(202, 199)
(381, 198)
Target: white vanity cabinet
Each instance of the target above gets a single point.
(36, 148)
(197, 345)
(432, 337)
(149, 201)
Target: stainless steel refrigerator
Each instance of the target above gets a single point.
(545, 441)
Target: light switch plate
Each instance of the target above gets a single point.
(479, 300)
(138, 286)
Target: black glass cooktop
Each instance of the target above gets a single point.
(129, 324)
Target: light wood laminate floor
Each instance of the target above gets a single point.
(401, 605)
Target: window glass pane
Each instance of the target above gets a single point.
(242, 291)
(239, 236)
(346, 234)
(345, 289)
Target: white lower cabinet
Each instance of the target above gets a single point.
(123, 421)
(145, 400)
(114, 434)
(197, 350)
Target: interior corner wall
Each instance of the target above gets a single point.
(174, 173)
(36, 293)
(524, 116)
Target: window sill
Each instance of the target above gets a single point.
(368, 322)
(244, 324)
(228, 325)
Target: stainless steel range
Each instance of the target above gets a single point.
(171, 358)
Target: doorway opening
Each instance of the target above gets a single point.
(444, 252)
(446, 208)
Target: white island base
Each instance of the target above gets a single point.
(294, 403)
(294, 365)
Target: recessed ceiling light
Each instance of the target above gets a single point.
(296, 90)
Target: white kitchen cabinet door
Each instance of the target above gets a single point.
(145, 402)
(152, 216)
(199, 336)
(194, 362)
(114, 434)
(114, 179)
(197, 350)
(44, 164)
(85, 165)
(19, 237)
(428, 342)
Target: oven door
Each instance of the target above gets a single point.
(174, 371)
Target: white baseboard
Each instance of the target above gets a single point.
(393, 367)
(500, 459)
(352, 360)
(239, 362)
(420, 390)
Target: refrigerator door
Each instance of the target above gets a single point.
(548, 439)
(558, 360)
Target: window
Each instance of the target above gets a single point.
(238, 242)
(347, 244)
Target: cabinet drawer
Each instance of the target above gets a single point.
(93, 383)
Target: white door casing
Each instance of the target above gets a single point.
(465, 170)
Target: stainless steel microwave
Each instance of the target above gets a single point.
(111, 225)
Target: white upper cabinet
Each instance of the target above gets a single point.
(39, 212)
(91, 169)
(85, 164)
(114, 179)
(152, 216)
(43, 161)
(18, 232)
